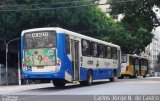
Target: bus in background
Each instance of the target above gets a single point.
(133, 66)
(64, 56)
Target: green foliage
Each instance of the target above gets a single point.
(136, 14)
(132, 34)
(87, 20)
(138, 22)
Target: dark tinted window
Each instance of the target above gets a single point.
(114, 53)
(102, 51)
(67, 44)
(94, 49)
(40, 40)
(109, 52)
(85, 47)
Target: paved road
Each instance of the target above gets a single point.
(139, 86)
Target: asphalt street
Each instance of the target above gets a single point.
(47, 92)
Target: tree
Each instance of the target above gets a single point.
(78, 16)
(138, 12)
(138, 21)
(88, 20)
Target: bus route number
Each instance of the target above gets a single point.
(40, 34)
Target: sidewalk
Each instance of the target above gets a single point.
(13, 88)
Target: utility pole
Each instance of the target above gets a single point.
(5, 60)
(7, 44)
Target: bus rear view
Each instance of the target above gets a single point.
(64, 56)
(39, 60)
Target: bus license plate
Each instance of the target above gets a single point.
(40, 67)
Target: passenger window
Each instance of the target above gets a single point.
(102, 51)
(114, 53)
(94, 49)
(85, 47)
(67, 44)
(109, 52)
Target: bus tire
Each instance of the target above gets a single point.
(112, 79)
(89, 78)
(59, 83)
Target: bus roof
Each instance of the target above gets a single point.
(61, 30)
(136, 56)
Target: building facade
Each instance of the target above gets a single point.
(153, 49)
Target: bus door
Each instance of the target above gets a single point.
(134, 66)
(75, 59)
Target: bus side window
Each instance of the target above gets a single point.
(114, 53)
(85, 47)
(102, 51)
(67, 44)
(109, 52)
(94, 49)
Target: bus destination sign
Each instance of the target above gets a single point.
(40, 34)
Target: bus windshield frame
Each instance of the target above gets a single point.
(40, 39)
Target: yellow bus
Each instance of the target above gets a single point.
(133, 66)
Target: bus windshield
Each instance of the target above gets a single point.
(42, 39)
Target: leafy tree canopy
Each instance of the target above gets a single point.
(138, 21)
(75, 16)
(132, 34)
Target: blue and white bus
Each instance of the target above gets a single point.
(64, 56)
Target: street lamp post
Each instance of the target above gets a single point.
(6, 59)
(6, 44)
